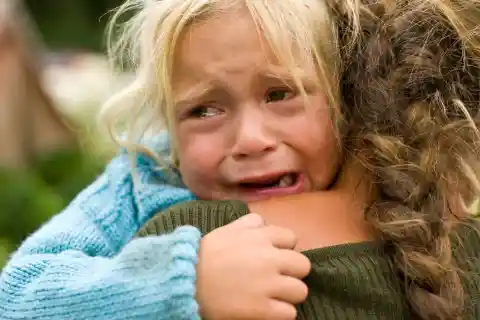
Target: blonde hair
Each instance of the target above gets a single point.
(148, 42)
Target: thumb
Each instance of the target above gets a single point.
(251, 220)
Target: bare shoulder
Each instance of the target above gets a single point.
(319, 219)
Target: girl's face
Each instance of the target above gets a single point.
(243, 131)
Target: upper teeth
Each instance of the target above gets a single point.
(286, 181)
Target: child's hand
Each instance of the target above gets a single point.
(247, 270)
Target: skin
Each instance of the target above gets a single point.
(328, 218)
(263, 249)
(235, 122)
(239, 120)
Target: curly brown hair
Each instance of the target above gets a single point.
(411, 94)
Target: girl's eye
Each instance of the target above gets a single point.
(279, 95)
(202, 112)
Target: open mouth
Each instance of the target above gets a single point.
(281, 181)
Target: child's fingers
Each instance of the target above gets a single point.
(251, 220)
(281, 238)
(293, 264)
(289, 289)
(280, 310)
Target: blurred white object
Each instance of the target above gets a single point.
(80, 82)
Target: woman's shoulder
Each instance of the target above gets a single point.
(354, 280)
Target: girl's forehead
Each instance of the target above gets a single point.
(235, 44)
(239, 29)
(242, 48)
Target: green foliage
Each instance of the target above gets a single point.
(26, 201)
(6, 248)
(68, 171)
(72, 24)
(28, 198)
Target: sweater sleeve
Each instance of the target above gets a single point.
(203, 215)
(151, 278)
(79, 265)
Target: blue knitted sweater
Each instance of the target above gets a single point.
(83, 264)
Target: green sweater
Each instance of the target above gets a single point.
(351, 281)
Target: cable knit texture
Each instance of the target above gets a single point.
(349, 281)
(83, 263)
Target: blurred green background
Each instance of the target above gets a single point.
(30, 194)
(72, 24)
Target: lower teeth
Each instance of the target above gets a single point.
(286, 181)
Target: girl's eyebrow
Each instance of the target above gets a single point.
(277, 73)
(269, 75)
(194, 93)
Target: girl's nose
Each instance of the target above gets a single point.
(253, 136)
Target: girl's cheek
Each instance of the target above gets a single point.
(200, 158)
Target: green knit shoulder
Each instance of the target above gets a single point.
(350, 281)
